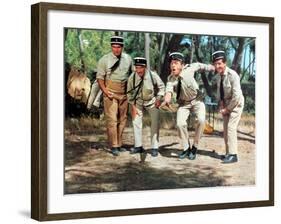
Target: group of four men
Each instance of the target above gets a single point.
(124, 82)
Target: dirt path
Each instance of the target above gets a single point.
(90, 167)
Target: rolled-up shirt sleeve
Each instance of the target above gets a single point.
(202, 67)
(160, 85)
(130, 91)
(101, 69)
(169, 87)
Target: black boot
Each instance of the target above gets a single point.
(184, 153)
(192, 154)
(122, 149)
(136, 150)
(115, 151)
(154, 152)
(230, 158)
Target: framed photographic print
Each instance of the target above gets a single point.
(116, 129)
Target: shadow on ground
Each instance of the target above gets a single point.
(133, 176)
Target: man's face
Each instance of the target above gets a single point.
(176, 67)
(220, 66)
(116, 49)
(140, 70)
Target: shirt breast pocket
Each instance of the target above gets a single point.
(124, 67)
(227, 89)
(147, 90)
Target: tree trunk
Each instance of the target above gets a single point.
(101, 38)
(244, 65)
(237, 60)
(199, 59)
(161, 50)
(146, 49)
(65, 34)
(173, 45)
(192, 48)
(81, 49)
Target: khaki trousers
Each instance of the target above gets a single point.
(154, 129)
(115, 111)
(230, 124)
(198, 108)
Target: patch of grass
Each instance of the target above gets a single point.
(247, 123)
(84, 123)
(101, 138)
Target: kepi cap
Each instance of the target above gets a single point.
(218, 55)
(176, 56)
(140, 61)
(117, 40)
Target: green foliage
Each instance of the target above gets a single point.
(249, 105)
(248, 90)
(94, 45)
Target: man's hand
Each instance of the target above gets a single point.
(157, 103)
(221, 105)
(212, 68)
(108, 93)
(167, 98)
(224, 111)
(134, 111)
(104, 89)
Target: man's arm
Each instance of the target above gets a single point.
(202, 67)
(101, 76)
(130, 90)
(161, 89)
(169, 92)
(130, 96)
(104, 89)
(236, 92)
(161, 86)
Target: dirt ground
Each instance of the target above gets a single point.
(90, 167)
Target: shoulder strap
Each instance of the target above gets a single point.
(155, 86)
(152, 80)
(139, 86)
(134, 80)
(115, 65)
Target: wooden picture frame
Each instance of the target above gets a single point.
(40, 102)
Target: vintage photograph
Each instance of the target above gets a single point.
(162, 111)
(153, 111)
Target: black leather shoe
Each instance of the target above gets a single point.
(115, 151)
(136, 150)
(122, 149)
(154, 152)
(184, 154)
(192, 154)
(230, 159)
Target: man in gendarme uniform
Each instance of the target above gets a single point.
(181, 81)
(112, 75)
(145, 90)
(231, 103)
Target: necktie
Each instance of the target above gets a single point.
(179, 88)
(221, 89)
(116, 64)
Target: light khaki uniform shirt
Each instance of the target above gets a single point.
(146, 95)
(120, 74)
(189, 85)
(233, 95)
